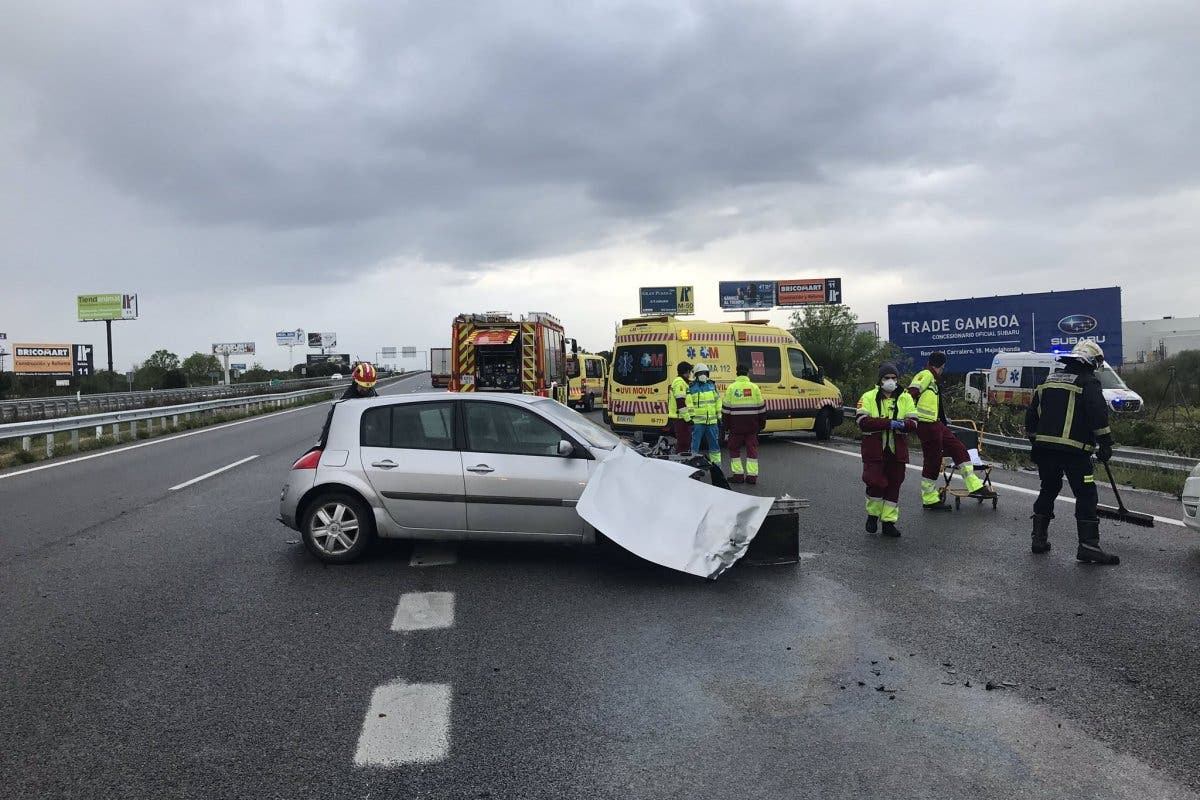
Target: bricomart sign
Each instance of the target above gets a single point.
(100, 307)
(52, 359)
(973, 330)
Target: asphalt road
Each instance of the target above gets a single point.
(165, 644)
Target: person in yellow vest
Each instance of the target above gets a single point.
(678, 413)
(885, 415)
(704, 403)
(744, 415)
(937, 438)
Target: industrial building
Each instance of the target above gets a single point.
(1151, 340)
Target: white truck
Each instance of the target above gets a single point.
(1013, 378)
(439, 367)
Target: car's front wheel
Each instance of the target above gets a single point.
(823, 426)
(337, 527)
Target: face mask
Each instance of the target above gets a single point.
(889, 385)
(702, 377)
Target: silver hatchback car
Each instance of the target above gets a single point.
(444, 466)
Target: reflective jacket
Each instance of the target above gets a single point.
(744, 411)
(926, 391)
(704, 402)
(1068, 412)
(677, 400)
(874, 415)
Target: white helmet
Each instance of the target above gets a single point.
(1089, 352)
(696, 370)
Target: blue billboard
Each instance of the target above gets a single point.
(973, 330)
(744, 295)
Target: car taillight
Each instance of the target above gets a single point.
(308, 460)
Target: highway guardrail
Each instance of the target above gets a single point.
(21, 409)
(1129, 456)
(113, 421)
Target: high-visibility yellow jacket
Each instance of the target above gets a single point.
(874, 416)
(704, 401)
(677, 400)
(744, 411)
(925, 390)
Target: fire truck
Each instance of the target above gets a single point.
(495, 352)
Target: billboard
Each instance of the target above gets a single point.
(322, 340)
(971, 331)
(233, 348)
(290, 338)
(340, 359)
(98, 307)
(52, 359)
(810, 292)
(746, 295)
(667, 300)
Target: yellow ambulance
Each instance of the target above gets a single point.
(648, 350)
(586, 374)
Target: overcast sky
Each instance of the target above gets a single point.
(374, 168)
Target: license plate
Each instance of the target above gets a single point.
(467, 380)
(625, 418)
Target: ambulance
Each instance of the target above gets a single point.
(648, 350)
(587, 375)
(1014, 377)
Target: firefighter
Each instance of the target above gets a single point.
(744, 414)
(704, 404)
(363, 384)
(936, 438)
(678, 413)
(885, 415)
(1066, 422)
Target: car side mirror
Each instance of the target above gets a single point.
(565, 448)
(820, 376)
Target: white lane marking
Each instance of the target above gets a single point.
(424, 611)
(1009, 486)
(432, 554)
(199, 478)
(166, 439)
(406, 723)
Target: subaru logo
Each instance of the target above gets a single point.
(1077, 323)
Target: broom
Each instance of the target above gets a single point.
(1121, 512)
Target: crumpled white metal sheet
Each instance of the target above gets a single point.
(656, 511)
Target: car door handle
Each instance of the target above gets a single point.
(389, 464)
(482, 469)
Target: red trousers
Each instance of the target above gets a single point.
(682, 431)
(736, 440)
(883, 479)
(936, 440)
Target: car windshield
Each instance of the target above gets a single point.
(1109, 379)
(595, 435)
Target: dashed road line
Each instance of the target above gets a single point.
(1008, 486)
(432, 554)
(199, 478)
(406, 723)
(423, 611)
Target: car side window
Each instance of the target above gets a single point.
(801, 367)
(762, 362)
(501, 428)
(595, 369)
(409, 426)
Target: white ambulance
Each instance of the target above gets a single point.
(1014, 377)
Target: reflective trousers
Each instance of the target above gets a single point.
(1077, 467)
(883, 480)
(734, 443)
(682, 430)
(937, 440)
(706, 436)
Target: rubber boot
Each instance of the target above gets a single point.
(751, 479)
(1041, 533)
(737, 478)
(1089, 544)
(872, 523)
(938, 506)
(890, 530)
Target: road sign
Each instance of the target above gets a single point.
(82, 360)
(233, 348)
(389, 352)
(973, 330)
(52, 359)
(814, 291)
(746, 295)
(241, 367)
(408, 352)
(289, 338)
(667, 300)
(322, 340)
(100, 307)
(3, 336)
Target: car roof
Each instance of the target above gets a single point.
(425, 397)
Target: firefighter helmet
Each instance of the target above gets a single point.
(1089, 352)
(700, 369)
(364, 375)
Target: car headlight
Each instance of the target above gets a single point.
(1190, 505)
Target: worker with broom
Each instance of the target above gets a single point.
(1066, 423)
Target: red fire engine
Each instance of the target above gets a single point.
(493, 352)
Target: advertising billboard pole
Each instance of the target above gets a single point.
(108, 336)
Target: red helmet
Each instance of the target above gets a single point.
(364, 375)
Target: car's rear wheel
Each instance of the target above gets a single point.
(589, 403)
(337, 527)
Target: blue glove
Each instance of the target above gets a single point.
(897, 424)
